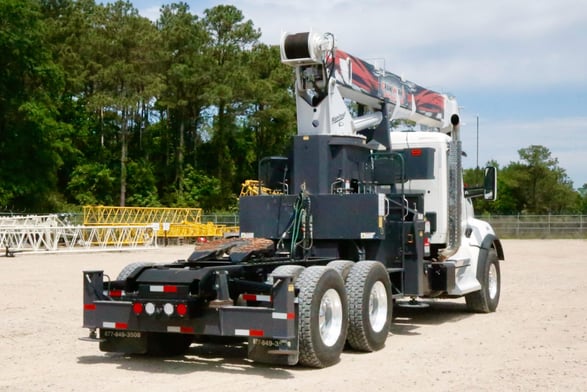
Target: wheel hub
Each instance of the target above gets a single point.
(330, 317)
(492, 281)
(378, 306)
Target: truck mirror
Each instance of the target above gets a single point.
(490, 183)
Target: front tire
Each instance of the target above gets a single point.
(370, 306)
(323, 316)
(489, 275)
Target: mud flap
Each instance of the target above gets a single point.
(126, 342)
(274, 351)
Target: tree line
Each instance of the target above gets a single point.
(99, 105)
(535, 184)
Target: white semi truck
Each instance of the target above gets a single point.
(359, 218)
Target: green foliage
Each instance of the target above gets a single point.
(92, 184)
(186, 76)
(111, 107)
(403, 125)
(142, 185)
(583, 196)
(201, 190)
(30, 85)
(228, 51)
(533, 185)
(272, 120)
(99, 105)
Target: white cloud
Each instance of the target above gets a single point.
(440, 44)
(152, 13)
(446, 43)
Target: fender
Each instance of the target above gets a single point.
(490, 241)
(487, 243)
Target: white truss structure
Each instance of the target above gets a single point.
(42, 233)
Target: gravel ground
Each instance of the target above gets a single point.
(536, 341)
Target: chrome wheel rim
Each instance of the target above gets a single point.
(378, 306)
(492, 283)
(330, 317)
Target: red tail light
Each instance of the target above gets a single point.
(182, 309)
(137, 307)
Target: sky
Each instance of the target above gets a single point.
(518, 68)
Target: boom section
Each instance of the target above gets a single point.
(328, 78)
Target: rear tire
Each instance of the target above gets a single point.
(293, 270)
(489, 275)
(370, 306)
(343, 267)
(323, 316)
(129, 269)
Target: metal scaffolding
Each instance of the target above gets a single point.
(106, 228)
(167, 222)
(113, 215)
(52, 232)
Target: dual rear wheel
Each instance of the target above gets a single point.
(370, 305)
(344, 301)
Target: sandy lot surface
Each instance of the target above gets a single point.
(536, 341)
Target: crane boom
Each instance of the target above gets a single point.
(326, 76)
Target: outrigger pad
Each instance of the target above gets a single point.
(235, 249)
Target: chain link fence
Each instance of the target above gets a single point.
(538, 226)
(506, 226)
(221, 219)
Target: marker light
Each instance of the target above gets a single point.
(168, 309)
(150, 308)
(182, 309)
(137, 307)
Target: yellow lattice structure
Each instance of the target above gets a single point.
(168, 222)
(251, 188)
(187, 229)
(112, 215)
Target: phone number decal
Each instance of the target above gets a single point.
(271, 343)
(121, 334)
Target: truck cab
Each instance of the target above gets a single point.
(458, 240)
